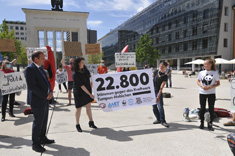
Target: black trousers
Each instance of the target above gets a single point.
(64, 86)
(40, 114)
(211, 102)
(11, 103)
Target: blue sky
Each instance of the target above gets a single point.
(104, 14)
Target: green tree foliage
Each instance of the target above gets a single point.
(20, 50)
(95, 59)
(145, 51)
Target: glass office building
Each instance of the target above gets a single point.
(181, 30)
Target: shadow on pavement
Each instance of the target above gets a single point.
(58, 150)
(123, 136)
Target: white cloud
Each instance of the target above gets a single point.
(94, 23)
(28, 2)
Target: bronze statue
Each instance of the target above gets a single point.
(57, 5)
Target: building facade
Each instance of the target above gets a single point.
(20, 30)
(181, 30)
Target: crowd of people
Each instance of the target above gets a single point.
(39, 92)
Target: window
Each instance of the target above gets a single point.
(177, 35)
(169, 25)
(225, 11)
(157, 30)
(21, 28)
(185, 33)
(169, 49)
(176, 23)
(16, 27)
(194, 15)
(22, 38)
(11, 27)
(163, 28)
(204, 28)
(194, 33)
(177, 49)
(185, 19)
(206, 14)
(185, 46)
(17, 38)
(225, 43)
(157, 40)
(226, 27)
(17, 33)
(22, 33)
(169, 37)
(204, 43)
(41, 39)
(163, 50)
(194, 45)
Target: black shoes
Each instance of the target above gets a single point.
(156, 122)
(92, 125)
(16, 103)
(78, 128)
(202, 125)
(11, 115)
(165, 124)
(3, 119)
(210, 127)
(47, 141)
(38, 148)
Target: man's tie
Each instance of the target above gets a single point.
(45, 78)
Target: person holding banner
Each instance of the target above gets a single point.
(82, 91)
(1, 83)
(208, 80)
(39, 94)
(59, 71)
(102, 69)
(160, 78)
(6, 69)
(70, 77)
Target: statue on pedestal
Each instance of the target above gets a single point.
(57, 5)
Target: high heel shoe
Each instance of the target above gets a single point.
(78, 128)
(92, 125)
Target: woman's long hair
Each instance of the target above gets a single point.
(212, 62)
(75, 66)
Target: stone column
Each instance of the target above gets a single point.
(178, 64)
(193, 65)
(54, 47)
(45, 38)
(62, 40)
(158, 63)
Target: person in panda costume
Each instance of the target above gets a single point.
(208, 80)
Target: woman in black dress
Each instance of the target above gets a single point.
(82, 91)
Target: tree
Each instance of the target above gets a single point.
(20, 50)
(145, 51)
(95, 59)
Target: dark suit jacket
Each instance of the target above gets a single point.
(37, 86)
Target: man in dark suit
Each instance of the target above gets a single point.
(39, 93)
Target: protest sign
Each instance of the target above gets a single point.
(61, 77)
(232, 95)
(7, 45)
(125, 59)
(124, 90)
(92, 68)
(73, 48)
(92, 49)
(31, 50)
(13, 82)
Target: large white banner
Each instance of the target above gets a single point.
(61, 77)
(232, 95)
(125, 59)
(92, 68)
(124, 90)
(31, 50)
(13, 82)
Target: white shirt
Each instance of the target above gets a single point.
(36, 65)
(1, 79)
(59, 72)
(208, 78)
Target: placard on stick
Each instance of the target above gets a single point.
(92, 49)
(7, 45)
(73, 48)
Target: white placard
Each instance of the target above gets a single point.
(30, 51)
(92, 68)
(13, 82)
(119, 91)
(61, 77)
(232, 95)
(125, 59)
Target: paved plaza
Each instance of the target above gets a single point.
(124, 133)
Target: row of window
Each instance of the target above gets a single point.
(194, 46)
(21, 38)
(22, 33)
(18, 28)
